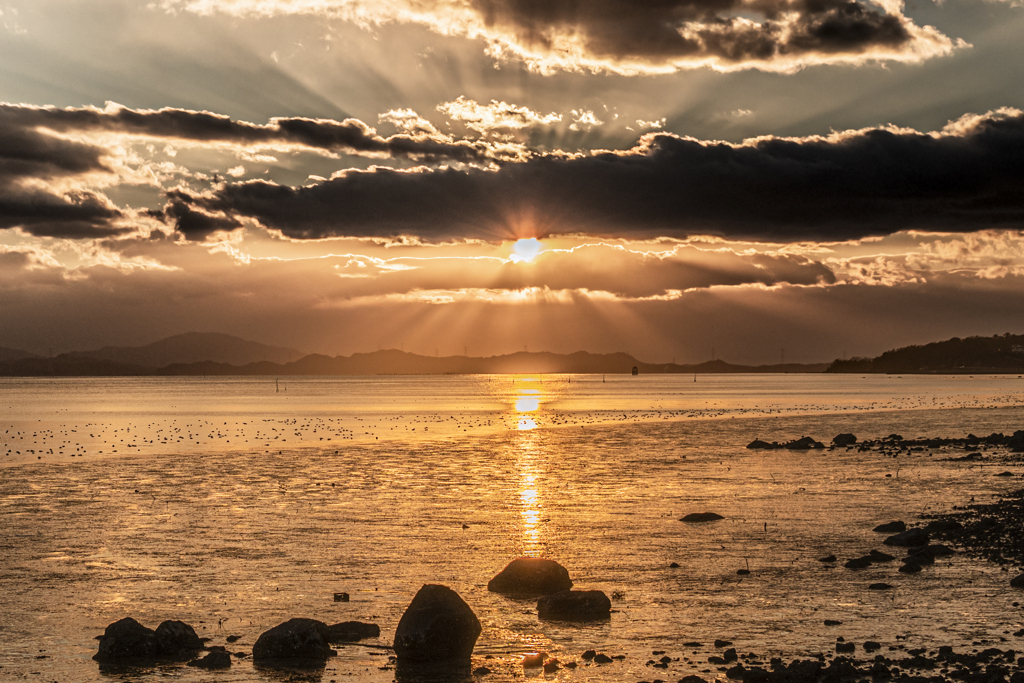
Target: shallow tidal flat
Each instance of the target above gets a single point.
(237, 542)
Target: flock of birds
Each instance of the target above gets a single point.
(20, 442)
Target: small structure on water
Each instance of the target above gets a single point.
(636, 371)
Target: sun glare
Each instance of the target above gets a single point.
(525, 250)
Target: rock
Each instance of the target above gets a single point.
(232, 639)
(350, 631)
(891, 527)
(125, 641)
(845, 647)
(692, 679)
(214, 660)
(534, 660)
(879, 587)
(674, 565)
(832, 622)
(806, 443)
(551, 666)
(827, 558)
(730, 655)
(602, 659)
(735, 672)
(1005, 474)
(920, 556)
(437, 626)
(742, 572)
(531, 576)
(177, 640)
(872, 645)
(588, 655)
(909, 538)
(761, 445)
(844, 440)
(294, 641)
(481, 671)
(910, 568)
(878, 556)
(935, 550)
(722, 643)
(858, 563)
(701, 517)
(1017, 581)
(575, 606)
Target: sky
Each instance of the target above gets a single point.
(748, 180)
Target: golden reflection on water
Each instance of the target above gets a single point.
(526, 397)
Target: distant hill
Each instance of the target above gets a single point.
(973, 355)
(193, 347)
(392, 362)
(7, 354)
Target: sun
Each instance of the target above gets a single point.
(526, 249)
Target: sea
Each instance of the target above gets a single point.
(237, 503)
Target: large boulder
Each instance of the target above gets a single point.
(575, 606)
(908, 539)
(350, 631)
(1017, 581)
(127, 641)
(804, 444)
(695, 517)
(437, 626)
(296, 641)
(531, 576)
(844, 440)
(214, 660)
(891, 527)
(177, 640)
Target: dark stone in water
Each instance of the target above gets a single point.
(742, 572)
(214, 660)
(692, 679)
(941, 526)
(588, 655)
(878, 556)
(879, 587)
(910, 568)
(845, 647)
(674, 565)
(350, 631)
(909, 538)
(437, 626)
(762, 445)
(531, 576)
(722, 643)
(481, 671)
(827, 558)
(844, 440)
(701, 517)
(296, 641)
(1017, 581)
(125, 641)
(832, 622)
(341, 597)
(575, 606)
(177, 640)
(730, 655)
(858, 563)
(806, 443)
(891, 527)
(602, 659)
(736, 672)
(232, 639)
(872, 645)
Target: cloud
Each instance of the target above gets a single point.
(350, 136)
(486, 118)
(625, 37)
(844, 186)
(37, 191)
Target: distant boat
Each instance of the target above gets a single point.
(636, 371)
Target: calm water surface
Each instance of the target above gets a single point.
(234, 504)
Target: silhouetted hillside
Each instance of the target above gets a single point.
(978, 355)
(7, 354)
(194, 347)
(392, 362)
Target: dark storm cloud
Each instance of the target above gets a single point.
(665, 31)
(31, 163)
(872, 182)
(349, 136)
